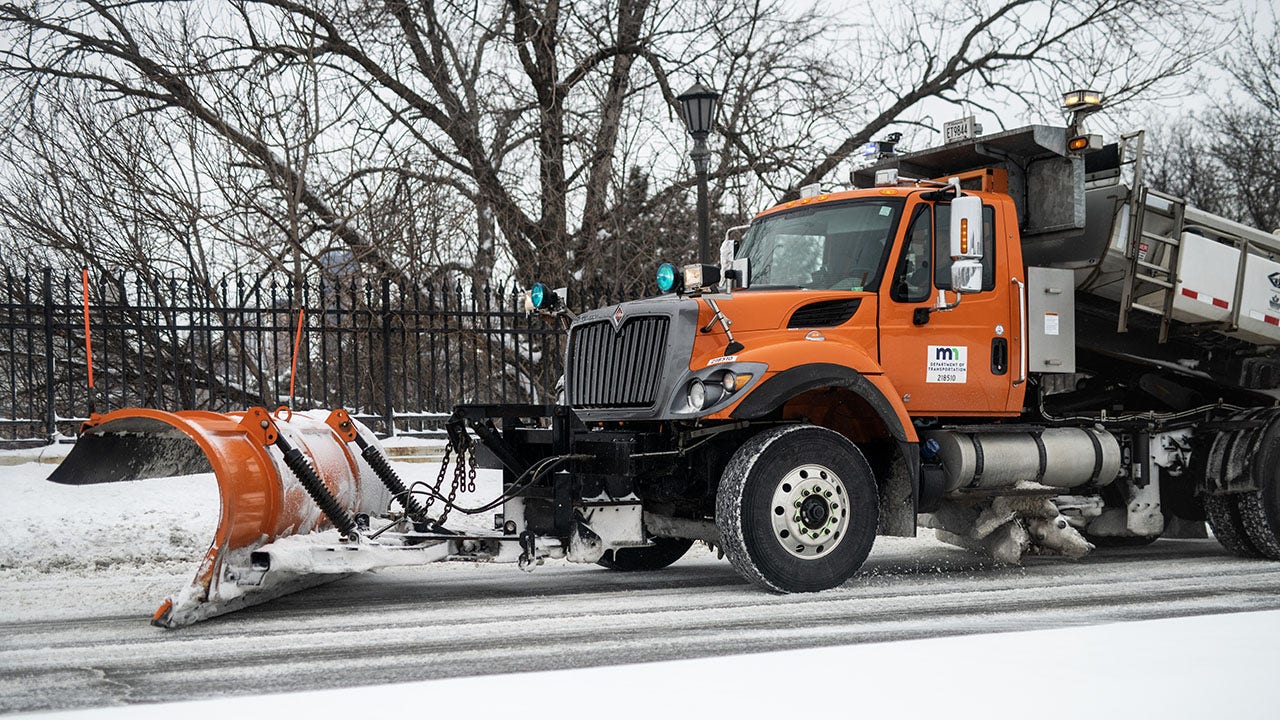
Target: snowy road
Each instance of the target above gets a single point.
(82, 569)
(93, 647)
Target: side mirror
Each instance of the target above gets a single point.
(739, 274)
(726, 253)
(733, 273)
(966, 244)
(966, 276)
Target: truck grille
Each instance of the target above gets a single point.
(616, 369)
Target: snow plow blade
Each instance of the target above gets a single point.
(262, 499)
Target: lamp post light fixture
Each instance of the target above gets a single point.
(698, 108)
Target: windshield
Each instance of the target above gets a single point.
(826, 247)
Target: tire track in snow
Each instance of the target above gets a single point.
(446, 621)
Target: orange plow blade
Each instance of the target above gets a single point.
(262, 499)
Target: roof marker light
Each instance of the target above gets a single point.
(666, 277)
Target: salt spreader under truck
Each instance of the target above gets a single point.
(1021, 347)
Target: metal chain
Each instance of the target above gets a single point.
(471, 470)
(444, 466)
(459, 473)
(464, 477)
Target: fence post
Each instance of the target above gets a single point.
(51, 414)
(389, 406)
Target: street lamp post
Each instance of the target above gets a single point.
(698, 107)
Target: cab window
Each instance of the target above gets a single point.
(911, 279)
(827, 246)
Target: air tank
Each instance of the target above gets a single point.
(1057, 457)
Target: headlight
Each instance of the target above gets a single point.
(728, 381)
(538, 295)
(703, 395)
(697, 394)
(697, 277)
(718, 386)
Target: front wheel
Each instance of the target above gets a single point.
(797, 509)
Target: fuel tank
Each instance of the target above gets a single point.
(1058, 457)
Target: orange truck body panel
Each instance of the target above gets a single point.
(881, 341)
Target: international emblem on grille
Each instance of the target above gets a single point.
(617, 319)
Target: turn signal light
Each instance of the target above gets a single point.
(1085, 143)
(964, 236)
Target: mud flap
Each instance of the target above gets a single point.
(260, 499)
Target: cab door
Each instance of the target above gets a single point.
(949, 362)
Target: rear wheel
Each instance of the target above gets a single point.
(1247, 523)
(660, 554)
(1259, 510)
(1224, 520)
(797, 509)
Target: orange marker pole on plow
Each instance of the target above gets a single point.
(297, 340)
(88, 339)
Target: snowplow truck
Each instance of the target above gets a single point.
(1013, 344)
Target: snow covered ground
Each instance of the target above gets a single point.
(82, 568)
(1139, 670)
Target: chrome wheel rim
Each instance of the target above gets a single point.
(810, 512)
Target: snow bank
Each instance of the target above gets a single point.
(407, 441)
(46, 527)
(150, 525)
(43, 454)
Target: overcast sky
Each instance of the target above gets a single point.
(1197, 92)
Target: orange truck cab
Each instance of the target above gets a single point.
(1002, 350)
(949, 363)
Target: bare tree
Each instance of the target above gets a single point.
(1179, 160)
(529, 118)
(1227, 160)
(986, 55)
(1247, 133)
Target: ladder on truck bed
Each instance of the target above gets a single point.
(1152, 246)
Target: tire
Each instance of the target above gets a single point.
(1247, 523)
(1259, 511)
(779, 469)
(662, 553)
(1227, 526)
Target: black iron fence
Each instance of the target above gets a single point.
(398, 358)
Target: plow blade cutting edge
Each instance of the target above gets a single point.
(262, 500)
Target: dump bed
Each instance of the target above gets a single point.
(1225, 275)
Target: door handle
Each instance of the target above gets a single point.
(999, 356)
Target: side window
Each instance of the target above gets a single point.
(942, 249)
(911, 279)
